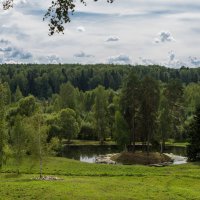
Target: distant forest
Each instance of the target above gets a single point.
(44, 80)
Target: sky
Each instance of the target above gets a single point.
(163, 32)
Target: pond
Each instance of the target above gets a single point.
(87, 153)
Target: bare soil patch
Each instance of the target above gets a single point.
(141, 158)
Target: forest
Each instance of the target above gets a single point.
(46, 106)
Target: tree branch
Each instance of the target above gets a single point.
(58, 13)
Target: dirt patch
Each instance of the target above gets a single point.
(47, 178)
(141, 158)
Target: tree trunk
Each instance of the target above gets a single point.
(148, 144)
(125, 148)
(101, 140)
(40, 168)
(162, 145)
(133, 135)
(1, 160)
(40, 151)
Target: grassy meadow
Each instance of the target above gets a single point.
(94, 181)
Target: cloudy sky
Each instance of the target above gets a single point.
(127, 32)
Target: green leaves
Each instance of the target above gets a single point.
(121, 131)
(3, 130)
(27, 106)
(193, 150)
(68, 123)
(67, 97)
(100, 113)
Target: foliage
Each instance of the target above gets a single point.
(87, 132)
(174, 96)
(191, 97)
(18, 94)
(3, 131)
(54, 146)
(193, 149)
(95, 102)
(27, 106)
(19, 138)
(149, 108)
(44, 80)
(67, 96)
(121, 131)
(164, 121)
(68, 123)
(130, 102)
(100, 113)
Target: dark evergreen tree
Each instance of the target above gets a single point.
(149, 108)
(130, 104)
(193, 149)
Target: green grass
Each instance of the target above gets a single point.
(93, 142)
(93, 181)
(177, 144)
(100, 188)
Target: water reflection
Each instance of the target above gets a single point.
(87, 153)
(87, 159)
(180, 151)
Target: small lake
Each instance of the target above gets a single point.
(87, 153)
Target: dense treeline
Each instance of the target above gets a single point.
(43, 107)
(44, 80)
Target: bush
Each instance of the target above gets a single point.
(87, 132)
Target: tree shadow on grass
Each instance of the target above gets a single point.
(196, 163)
(13, 175)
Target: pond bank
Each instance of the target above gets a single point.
(138, 157)
(153, 159)
(88, 153)
(108, 143)
(177, 160)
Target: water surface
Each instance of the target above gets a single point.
(87, 153)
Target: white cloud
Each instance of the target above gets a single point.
(82, 55)
(170, 61)
(18, 2)
(4, 42)
(164, 36)
(173, 61)
(194, 61)
(147, 61)
(80, 29)
(189, 62)
(13, 30)
(54, 59)
(49, 59)
(172, 56)
(132, 20)
(120, 59)
(12, 62)
(112, 39)
(12, 53)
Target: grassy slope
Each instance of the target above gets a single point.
(92, 181)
